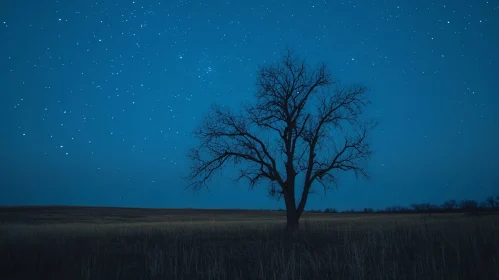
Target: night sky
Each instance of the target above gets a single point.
(99, 100)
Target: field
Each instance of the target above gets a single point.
(117, 243)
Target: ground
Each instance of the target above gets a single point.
(120, 243)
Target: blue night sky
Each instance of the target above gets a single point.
(99, 99)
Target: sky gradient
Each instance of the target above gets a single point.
(99, 99)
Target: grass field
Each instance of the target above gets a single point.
(118, 243)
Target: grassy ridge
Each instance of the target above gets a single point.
(114, 243)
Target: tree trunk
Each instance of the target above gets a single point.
(291, 212)
(291, 218)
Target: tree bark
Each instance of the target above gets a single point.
(291, 219)
(291, 211)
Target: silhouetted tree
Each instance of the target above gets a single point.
(302, 122)
(393, 209)
(449, 204)
(368, 210)
(493, 203)
(330, 210)
(405, 209)
(432, 207)
(468, 204)
(483, 205)
(420, 207)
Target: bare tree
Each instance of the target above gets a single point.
(493, 203)
(301, 122)
(468, 204)
(449, 204)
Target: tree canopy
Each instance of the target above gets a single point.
(302, 121)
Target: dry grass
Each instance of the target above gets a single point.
(106, 243)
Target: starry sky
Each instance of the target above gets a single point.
(99, 99)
